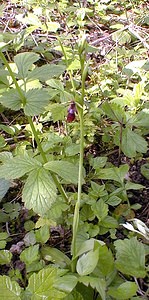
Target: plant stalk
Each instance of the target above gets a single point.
(84, 69)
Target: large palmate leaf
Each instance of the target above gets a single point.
(130, 257)
(9, 289)
(36, 101)
(18, 166)
(39, 191)
(46, 72)
(11, 99)
(117, 174)
(24, 62)
(64, 169)
(50, 284)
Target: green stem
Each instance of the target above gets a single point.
(80, 177)
(67, 65)
(41, 151)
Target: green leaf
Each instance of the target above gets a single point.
(87, 262)
(141, 119)
(2, 142)
(9, 289)
(106, 261)
(4, 187)
(74, 295)
(124, 291)
(56, 256)
(130, 257)
(66, 283)
(24, 62)
(30, 254)
(53, 26)
(72, 150)
(11, 99)
(41, 285)
(55, 84)
(114, 200)
(96, 283)
(100, 209)
(58, 111)
(46, 72)
(132, 142)
(64, 169)
(115, 112)
(145, 170)
(98, 162)
(18, 166)
(117, 174)
(121, 37)
(133, 186)
(39, 191)
(36, 101)
(42, 234)
(5, 257)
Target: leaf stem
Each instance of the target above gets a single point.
(41, 151)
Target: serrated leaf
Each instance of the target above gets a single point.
(132, 142)
(100, 209)
(96, 283)
(58, 111)
(87, 262)
(64, 169)
(24, 62)
(5, 257)
(98, 162)
(114, 111)
(130, 257)
(9, 289)
(36, 101)
(41, 285)
(142, 118)
(46, 72)
(133, 186)
(18, 166)
(117, 174)
(11, 99)
(106, 261)
(4, 187)
(39, 191)
(124, 291)
(72, 150)
(55, 84)
(42, 234)
(30, 254)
